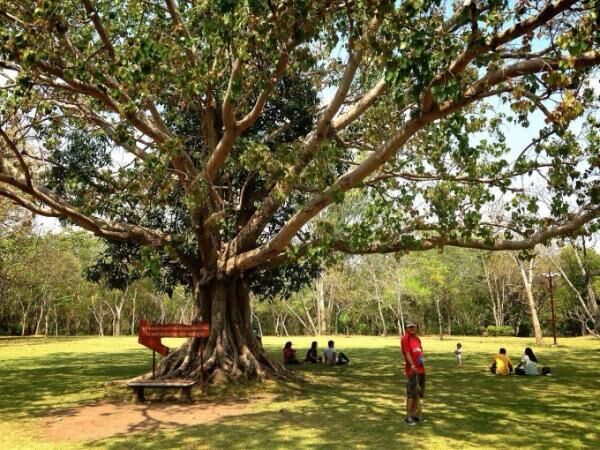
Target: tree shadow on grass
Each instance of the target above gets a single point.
(32, 386)
(28, 341)
(363, 406)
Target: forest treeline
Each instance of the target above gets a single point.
(45, 290)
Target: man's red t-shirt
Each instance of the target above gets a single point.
(411, 343)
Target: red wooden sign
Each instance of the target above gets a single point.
(176, 330)
(149, 334)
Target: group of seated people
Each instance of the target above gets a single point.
(502, 365)
(330, 355)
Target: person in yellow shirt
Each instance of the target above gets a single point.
(502, 364)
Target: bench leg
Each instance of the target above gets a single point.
(138, 393)
(186, 394)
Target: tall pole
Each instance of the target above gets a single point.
(550, 280)
(153, 364)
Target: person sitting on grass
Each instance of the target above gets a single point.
(312, 355)
(528, 364)
(502, 364)
(289, 354)
(332, 357)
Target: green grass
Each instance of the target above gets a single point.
(360, 406)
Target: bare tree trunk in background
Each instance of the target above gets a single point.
(114, 319)
(98, 312)
(490, 290)
(118, 311)
(527, 276)
(438, 310)
(588, 279)
(285, 330)
(134, 299)
(55, 321)
(320, 305)
(184, 311)
(401, 327)
(255, 317)
(47, 322)
(297, 316)
(24, 314)
(329, 309)
(159, 300)
(40, 318)
(448, 303)
(308, 316)
(379, 301)
(586, 315)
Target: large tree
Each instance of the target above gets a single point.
(190, 131)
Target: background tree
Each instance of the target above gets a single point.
(192, 132)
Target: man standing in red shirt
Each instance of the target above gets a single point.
(415, 373)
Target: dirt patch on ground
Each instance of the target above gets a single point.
(105, 419)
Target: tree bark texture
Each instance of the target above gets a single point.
(232, 351)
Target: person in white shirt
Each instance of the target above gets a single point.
(529, 364)
(332, 357)
(458, 354)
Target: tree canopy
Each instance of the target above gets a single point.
(218, 134)
(195, 94)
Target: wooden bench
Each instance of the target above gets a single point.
(139, 385)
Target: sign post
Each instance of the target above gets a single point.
(153, 364)
(202, 364)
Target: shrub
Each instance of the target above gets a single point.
(503, 330)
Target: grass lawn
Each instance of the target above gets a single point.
(359, 406)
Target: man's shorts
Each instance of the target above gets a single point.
(412, 381)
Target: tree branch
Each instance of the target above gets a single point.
(476, 48)
(571, 226)
(478, 90)
(269, 206)
(24, 203)
(97, 21)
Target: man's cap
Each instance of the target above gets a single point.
(411, 325)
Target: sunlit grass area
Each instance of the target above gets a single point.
(359, 406)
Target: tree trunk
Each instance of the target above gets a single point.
(132, 332)
(25, 312)
(232, 351)
(255, 317)
(297, 316)
(118, 313)
(588, 280)
(588, 316)
(527, 283)
(47, 322)
(497, 298)
(40, 318)
(309, 318)
(285, 330)
(449, 315)
(55, 321)
(379, 301)
(321, 306)
(400, 315)
(439, 317)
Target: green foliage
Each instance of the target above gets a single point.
(503, 330)
(123, 119)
